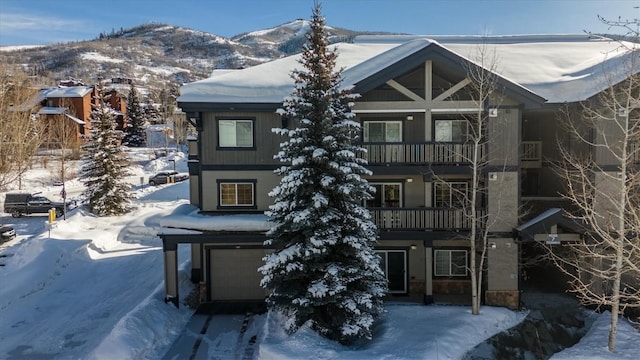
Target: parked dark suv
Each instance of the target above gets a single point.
(165, 177)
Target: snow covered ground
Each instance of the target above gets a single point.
(93, 288)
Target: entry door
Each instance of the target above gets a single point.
(394, 265)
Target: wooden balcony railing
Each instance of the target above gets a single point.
(422, 218)
(419, 153)
(531, 154)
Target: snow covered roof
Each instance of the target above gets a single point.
(75, 119)
(51, 110)
(558, 68)
(269, 82)
(66, 92)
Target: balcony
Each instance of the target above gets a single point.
(531, 154)
(432, 153)
(421, 218)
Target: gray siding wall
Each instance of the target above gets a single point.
(194, 194)
(265, 181)
(503, 201)
(504, 138)
(266, 143)
(502, 265)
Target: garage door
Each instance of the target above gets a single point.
(234, 274)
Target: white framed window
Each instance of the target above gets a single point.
(383, 131)
(387, 195)
(450, 263)
(236, 194)
(450, 194)
(451, 130)
(235, 133)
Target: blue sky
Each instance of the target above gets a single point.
(31, 22)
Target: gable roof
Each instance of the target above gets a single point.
(66, 92)
(542, 224)
(559, 68)
(555, 68)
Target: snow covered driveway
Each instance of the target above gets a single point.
(63, 294)
(209, 336)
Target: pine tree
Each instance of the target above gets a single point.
(324, 270)
(104, 165)
(135, 128)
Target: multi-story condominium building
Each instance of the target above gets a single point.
(416, 95)
(73, 102)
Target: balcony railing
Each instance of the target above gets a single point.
(433, 153)
(422, 218)
(531, 154)
(634, 148)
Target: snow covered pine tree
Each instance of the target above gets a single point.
(324, 269)
(135, 128)
(104, 163)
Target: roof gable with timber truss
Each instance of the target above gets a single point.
(442, 74)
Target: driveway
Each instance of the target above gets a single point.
(218, 336)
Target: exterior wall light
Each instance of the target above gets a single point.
(409, 117)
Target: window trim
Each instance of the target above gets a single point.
(436, 184)
(388, 182)
(236, 148)
(450, 275)
(237, 182)
(401, 122)
(435, 126)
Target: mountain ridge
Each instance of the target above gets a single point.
(159, 56)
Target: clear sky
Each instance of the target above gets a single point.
(33, 22)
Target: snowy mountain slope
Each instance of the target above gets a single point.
(156, 55)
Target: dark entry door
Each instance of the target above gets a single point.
(394, 265)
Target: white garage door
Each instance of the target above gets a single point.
(234, 274)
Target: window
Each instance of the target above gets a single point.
(383, 131)
(387, 195)
(236, 194)
(235, 133)
(450, 194)
(451, 130)
(450, 263)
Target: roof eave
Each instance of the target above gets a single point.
(188, 106)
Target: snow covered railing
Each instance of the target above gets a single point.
(419, 153)
(421, 218)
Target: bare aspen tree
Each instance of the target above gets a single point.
(64, 136)
(482, 86)
(603, 184)
(21, 134)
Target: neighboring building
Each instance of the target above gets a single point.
(414, 93)
(73, 102)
